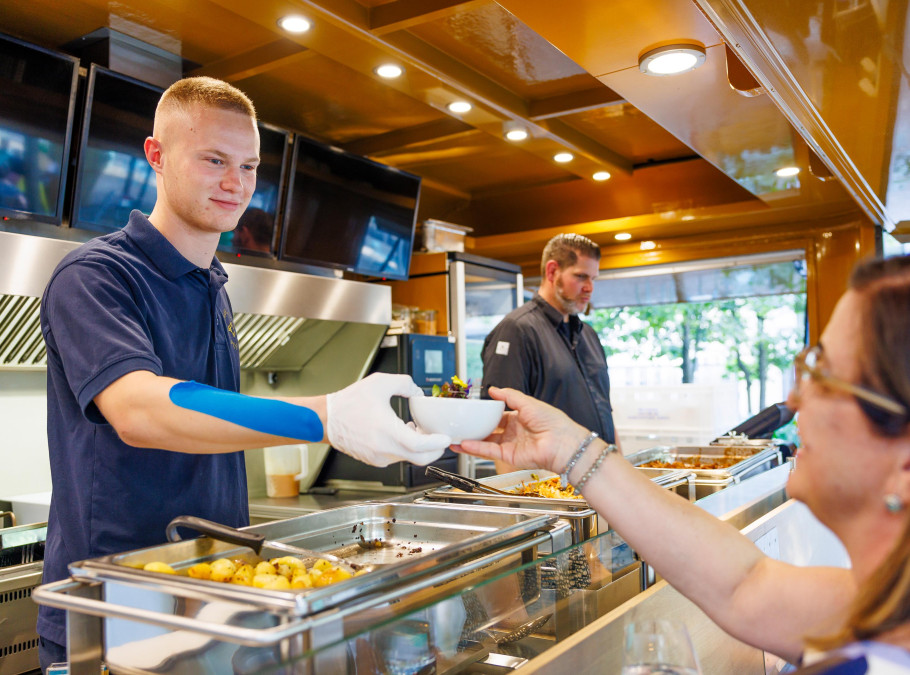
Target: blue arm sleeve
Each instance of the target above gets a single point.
(260, 414)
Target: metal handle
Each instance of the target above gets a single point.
(462, 482)
(57, 595)
(12, 517)
(214, 530)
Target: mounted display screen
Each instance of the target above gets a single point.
(36, 115)
(255, 234)
(114, 177)
(350, 213)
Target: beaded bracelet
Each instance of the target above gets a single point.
(600, 460)
(564, 475)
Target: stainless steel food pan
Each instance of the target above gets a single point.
(400, 541)
(577, 512)
(749, 461)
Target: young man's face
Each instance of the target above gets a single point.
(574, 284)
(208, 167)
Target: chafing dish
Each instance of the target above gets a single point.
(584, 520)
(21, 556)
(746, 461)
(577, 512)
(173, 624)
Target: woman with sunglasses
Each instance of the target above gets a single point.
(852, 395)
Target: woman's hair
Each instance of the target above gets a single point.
(883, 601)
(884, 356)
(565, 249)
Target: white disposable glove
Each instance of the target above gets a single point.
(362, 423)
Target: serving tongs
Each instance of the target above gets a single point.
(463, 482)
(252, 540)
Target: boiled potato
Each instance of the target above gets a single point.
(223, 569)
(272, 582)
(322, 565)
(265, 567)
(302, 581)
(288, 565)
(200, 571)
(160, 567)
(244, 575)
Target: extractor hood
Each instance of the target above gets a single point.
(284, 319)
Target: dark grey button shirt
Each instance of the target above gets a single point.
(563, 364)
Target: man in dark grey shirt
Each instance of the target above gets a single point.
(543, 349)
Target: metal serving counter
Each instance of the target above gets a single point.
(556, 612)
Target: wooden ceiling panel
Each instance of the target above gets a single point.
(668, 188)
(493, 42)
(476, 163)
(314, 103)
(630, 132)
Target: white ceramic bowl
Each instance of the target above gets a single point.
(460, 418)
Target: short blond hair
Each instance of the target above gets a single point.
(207, 92)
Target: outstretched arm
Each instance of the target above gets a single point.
(762, 601)
(150, 411)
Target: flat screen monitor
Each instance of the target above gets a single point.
(113, 176)
(36, 117)
(256, 233)
(347, 212)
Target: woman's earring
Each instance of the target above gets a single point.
(893, 503)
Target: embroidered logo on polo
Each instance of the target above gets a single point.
(229, 322)
(502, 348)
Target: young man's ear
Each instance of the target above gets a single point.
(153, 153)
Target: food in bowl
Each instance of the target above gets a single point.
(457, 389)
(460, 418)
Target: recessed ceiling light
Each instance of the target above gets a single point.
(787, 171)
(459, 106)
(517, 134)
(389, 71)
(647, 245)
(622, 236)
(294, 23)
(671, 59)
(563, 157)
(601, 175)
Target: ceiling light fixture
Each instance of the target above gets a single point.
(622, 236)
(647, 245)
(787, 171)
(389, 71)
(515, 131)
(294, 23)
(563, 157)
(601, 175)
(459, 107)
(672, 59)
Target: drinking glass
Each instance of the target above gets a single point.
(658, 646)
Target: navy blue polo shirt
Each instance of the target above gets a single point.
(124, 302)
(561, 363)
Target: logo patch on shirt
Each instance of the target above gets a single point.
(502, 348)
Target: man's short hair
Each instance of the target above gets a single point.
(565, 249)
(207, 92)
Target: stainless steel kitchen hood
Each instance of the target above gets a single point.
(284, 319)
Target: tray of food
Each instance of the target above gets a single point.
(387, 543)
(714, 466)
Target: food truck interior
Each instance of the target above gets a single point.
(506, 121)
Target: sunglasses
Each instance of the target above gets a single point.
(808, 367)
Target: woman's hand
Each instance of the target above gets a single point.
(532, 435)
